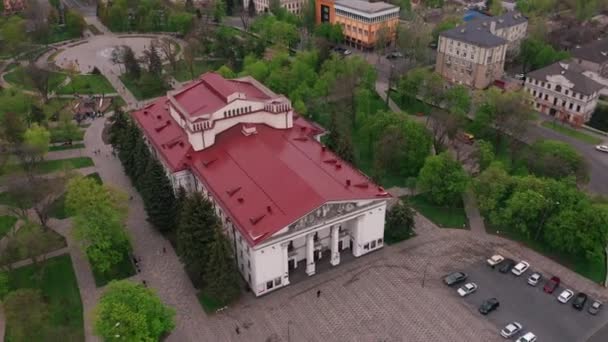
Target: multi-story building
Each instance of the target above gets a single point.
(474, 53)
(593, 58)
(363, 23)
(13, 6)
(561, 90)
(287, 202)
(293, 6)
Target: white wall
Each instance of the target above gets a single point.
(368, 230)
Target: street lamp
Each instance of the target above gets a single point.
(288, 331)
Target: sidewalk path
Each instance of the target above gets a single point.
(476, 223)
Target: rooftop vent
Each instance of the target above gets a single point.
(269, 209)
(248, 130)
(159, 117)
(348, 182)
(240, 200)
(330, 161)
(363, 185)
(206, 163)
(338, 166)
(188, 156)
(160, 128)
(233, 191)
(257, 219)
(145, 112)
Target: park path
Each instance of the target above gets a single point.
(476, 224)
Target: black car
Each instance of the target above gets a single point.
(506, 266)
(488, 306)
(579, 301)
(455, 278)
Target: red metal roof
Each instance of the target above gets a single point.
(264, 181)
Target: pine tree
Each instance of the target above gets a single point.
(141, 158)
(195, 233)
(128, 142)
(180, 200)
(131, 63)
(159, 199)
(118, 128)
(155, 65)
(221, 275)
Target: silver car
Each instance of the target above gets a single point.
(511, 329)
(534, 279)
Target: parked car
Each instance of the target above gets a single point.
(534, 279)
(495, 260)
(394, 55)
(579, 301)
(520, 76)
(488, 306)
(527, 337)
(506, 265)
(595, 307)
(455, 278)
(602, 148)
(565, 296)
(552, 284)
(467, 289)
(520, 268)
(511, 329)
(342, 51)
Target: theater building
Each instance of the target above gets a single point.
(286, 201)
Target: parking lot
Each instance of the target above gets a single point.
(536, 310)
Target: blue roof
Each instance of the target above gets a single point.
(472, 14)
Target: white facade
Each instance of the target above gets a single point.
(293, 6)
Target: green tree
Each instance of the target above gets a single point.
(74, 23)
(4, 285)
(195, 233)
(142, 156)
(535, 54)
(442, 179)
(458, 99)
(556, 159)
(433, 3)
(181, 22)
(492, 187)
(12, 129)
(132, 312)
(27, 315)
(159, 198)
(484, 154)
(221, 274)
(399, 222)
(131, 64)
(13, 34)
(37, 138)
(226, 72)
(155, 65)
(219, 10)
(333, 33)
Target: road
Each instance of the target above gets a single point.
(86, 8)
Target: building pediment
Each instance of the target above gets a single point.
(561, 80)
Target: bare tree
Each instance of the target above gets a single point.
(167, 47)
(190, 52)
(40, 79)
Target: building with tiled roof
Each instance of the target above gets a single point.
(474, 53)
(287, 202)
(563, 91)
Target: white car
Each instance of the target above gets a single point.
(511, 329)
(527, 337)
(534, 279)
(520, 76)
(467, 289)
(520, 268)
(565, 296)
(495, 260)
(602, 148)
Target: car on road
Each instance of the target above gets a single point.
(511, 329)
(495, 260)
(595, 307)
(527, 337)
(394, 55)
(579, 301)
(602, 148)
(488, 306)
(467, 289)
(565, 296)
(551, 284)
(534, 278)
(520, 76)
(342, 51)
(455, 278)
(506, 265)
(520, 268)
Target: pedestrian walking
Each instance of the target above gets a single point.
(164, 250)
(238, 331)
(318, 293)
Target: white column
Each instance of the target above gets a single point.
(285, 264)
(310, 254)
(335, 253)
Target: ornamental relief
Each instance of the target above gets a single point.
(323, 213)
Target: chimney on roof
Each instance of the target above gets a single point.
(145, 112)
(269, 209)
(492, 26)
(323, 148)
(240, 200)
(348, 182)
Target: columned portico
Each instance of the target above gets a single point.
(335, 253)
(310, 254)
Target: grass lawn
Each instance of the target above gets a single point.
(57, 135)
(123, 269)
(444, 217)
(138, 91)
(58, 210)
(409, 105)
(52, 242)
(182, 72)
(209, 304)
(594, 270)
(6, 224)
(571, 132)
(6, 199)
(65, 147)
(49, 166)
(87, 84)
(59, 286)
(18, 78)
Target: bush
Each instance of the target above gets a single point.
(399, 222)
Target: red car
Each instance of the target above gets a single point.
(552, 284)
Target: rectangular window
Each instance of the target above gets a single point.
(366, 246)
(373, 244)
(578, 108)
(571, 105)
(249, 264)
(277, 281)
(567, 92)
(380, 242)
(269, 285)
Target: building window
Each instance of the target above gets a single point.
(290, 246)
(546, 97)
(249, 264)
(269, 285)
(366, 246)
(567, 92)
(578, 108)
(249, 277)
(571, 105)
(559, 88)
(277, 281)
(380, 242)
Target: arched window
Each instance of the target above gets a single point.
(558, 88)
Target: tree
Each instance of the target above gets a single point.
(4, 285)
(12, 129)
(442, 179)
(226, 72)
(458, 99)
(484, 154)
(37, 138)
(221, 274)
(132, 312)
(155, 65)
(309, 15)
(131, 64)
(167, 47)
(27, 314)
(496, 8)
(189, 55)
(535, 54)
(39, 78)
(492, 187)
(399, 222)
(99, 214)
(433, 3)
(383, 38)
(74, 23)
(159, 198)
(413, 41)
(333, 33)
(219, 10)
(585, 9)
(339, 139)
(14, 34)
(197, 221)
(556, 159)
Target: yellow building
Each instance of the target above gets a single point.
(363, 23)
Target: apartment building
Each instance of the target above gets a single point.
(562, 90)
(292, 6)
(363, 23)
(474, 54)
